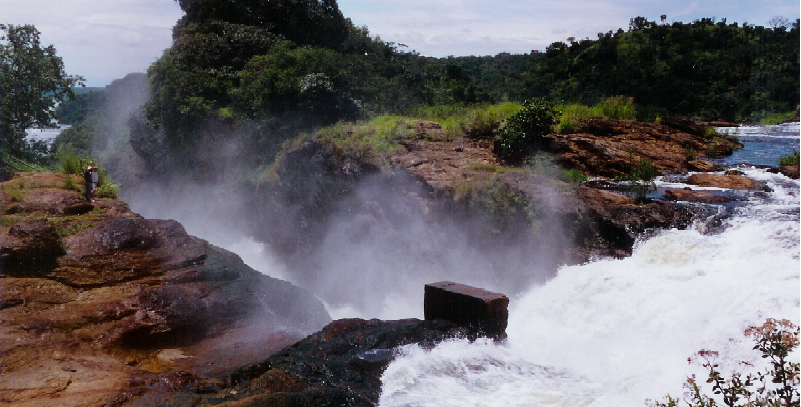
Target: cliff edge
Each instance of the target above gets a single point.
(99, 306)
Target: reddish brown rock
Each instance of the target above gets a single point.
(695, 196)
(29, 248)
(612, 147)
(790, 171)
(103, 307)
(481, 311)
(739, 182)
(702, 166)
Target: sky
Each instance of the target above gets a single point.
(103, 40)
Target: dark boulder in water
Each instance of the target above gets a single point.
(482, 312)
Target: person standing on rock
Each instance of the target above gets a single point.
(90, 178)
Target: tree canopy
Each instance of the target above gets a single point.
(32, 82)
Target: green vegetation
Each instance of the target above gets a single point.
(69, 160)
(543, 163)
(791, 159)
(32, 82)
(522, 132)
(776, 386)
(640, 179)
(368, 141)
(618, 108)
(776, 118)
(264, 72)
(16, 192)
(505, 207)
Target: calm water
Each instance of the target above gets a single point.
(764, 145)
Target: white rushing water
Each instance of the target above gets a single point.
(618, 332)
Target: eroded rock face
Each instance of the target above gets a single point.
(30, 248)
(103, 307)
(612, 147)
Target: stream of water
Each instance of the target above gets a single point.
(618, 332)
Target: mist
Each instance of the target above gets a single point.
(384, 239)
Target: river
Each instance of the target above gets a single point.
(619, 332)
(606, 333)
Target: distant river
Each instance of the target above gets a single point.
(46, 135)
(764, 145)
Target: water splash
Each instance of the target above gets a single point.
(620, 331)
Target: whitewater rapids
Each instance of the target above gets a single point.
(619, 332)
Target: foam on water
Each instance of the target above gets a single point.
(616, 332)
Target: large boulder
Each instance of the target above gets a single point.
(732, 181)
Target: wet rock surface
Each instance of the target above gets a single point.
(103, 307)
(340, 365)
(730, 181)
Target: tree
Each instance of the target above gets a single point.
(32, 82)
(778, 21)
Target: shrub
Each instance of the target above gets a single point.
(776, 386)
(106, 188)
(523, 131)
(791, 159)
(640, 180)
(70, 162)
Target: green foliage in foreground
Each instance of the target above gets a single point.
(777, 386)
(522, 132)
(69, 160)
(791, 159)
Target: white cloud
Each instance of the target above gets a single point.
(106, 39)
(99, 39)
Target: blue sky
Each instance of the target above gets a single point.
(103, 40)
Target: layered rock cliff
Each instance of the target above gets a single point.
(99, 306)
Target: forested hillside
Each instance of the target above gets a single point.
(707, 69)
(269, 70)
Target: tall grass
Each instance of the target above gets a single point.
(370, 141)
(617, 108)
(69, 160)
(458, 120)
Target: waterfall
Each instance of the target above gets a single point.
(618, 332)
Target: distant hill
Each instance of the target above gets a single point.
(86, 89)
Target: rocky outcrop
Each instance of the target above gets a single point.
(688, 195)
(611, 148)
(790, 171)
(731, 181)
(340, 365)
(105, 307)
